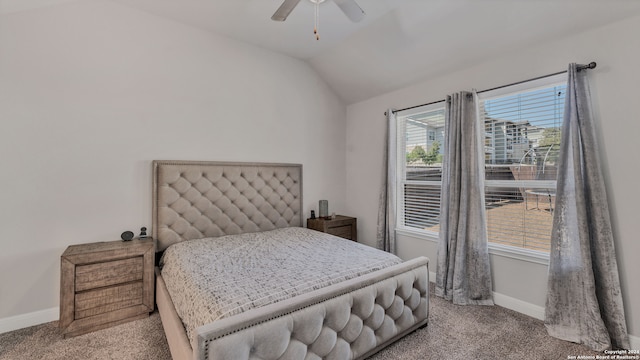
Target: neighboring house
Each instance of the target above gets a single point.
(506, 141)
(424, 131)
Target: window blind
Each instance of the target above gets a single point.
(522, 142)
(421, 141)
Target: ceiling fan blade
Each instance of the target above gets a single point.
(284, 10)
(351, 9)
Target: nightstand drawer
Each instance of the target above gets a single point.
(342, 226)
(100, 301)
(108, 273)
(342, 231)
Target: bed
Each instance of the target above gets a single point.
(229, 218)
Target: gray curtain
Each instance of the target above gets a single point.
(463, 273)
(386, 236)
(584, 303)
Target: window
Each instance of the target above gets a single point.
(420, 167)
(521, 145)
(432, 135)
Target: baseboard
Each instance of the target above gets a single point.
(30, 319)
(518, 305)
(510, 303)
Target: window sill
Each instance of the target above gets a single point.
(533, 256)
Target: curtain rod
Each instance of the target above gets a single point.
(591, 65)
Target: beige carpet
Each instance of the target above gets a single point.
(454, 332)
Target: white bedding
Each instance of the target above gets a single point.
(213, 278)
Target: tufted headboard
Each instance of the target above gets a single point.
(197, 199)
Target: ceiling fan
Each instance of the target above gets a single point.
(348, 7)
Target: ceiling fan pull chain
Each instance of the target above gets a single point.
(317, 20)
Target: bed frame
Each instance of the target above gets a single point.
(349, 320)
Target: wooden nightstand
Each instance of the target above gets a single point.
(343, 226)
(105, 284)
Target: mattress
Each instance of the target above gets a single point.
(214, 278)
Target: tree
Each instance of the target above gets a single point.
(549, 146)
(417, 154)
(433, 155)
(550, 136)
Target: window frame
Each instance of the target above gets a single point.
(401, 162)
(529, 255)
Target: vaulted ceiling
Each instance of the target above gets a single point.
(398, 43)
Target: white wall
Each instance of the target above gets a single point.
(92, 91)
(614, 86)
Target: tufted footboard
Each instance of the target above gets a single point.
(348, 320)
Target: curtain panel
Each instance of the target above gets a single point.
(584, 302)
(385, 234)
(463, 273)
